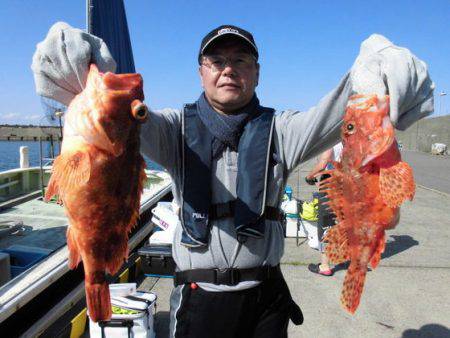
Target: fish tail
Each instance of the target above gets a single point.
(353, 286)
(97, 297)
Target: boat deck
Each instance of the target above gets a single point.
(43, 225)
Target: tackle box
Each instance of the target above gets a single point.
(157, 260)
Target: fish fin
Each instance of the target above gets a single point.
(140, 188)
(74, 255)
(337, 244)
(53, 186)
(98, 301)
(334, 190)
(397, 184)
(376, 257)
(72, 170)
(353, 286)
(114, 264)
(52, 189)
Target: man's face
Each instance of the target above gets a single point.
(231, 85)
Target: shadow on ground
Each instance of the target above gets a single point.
(162, 320)
(428, 331)
(398, 244)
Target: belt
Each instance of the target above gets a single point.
(227, 276)
(224, 210)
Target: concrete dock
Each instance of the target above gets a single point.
(407, 296)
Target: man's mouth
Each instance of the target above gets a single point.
(229, 85)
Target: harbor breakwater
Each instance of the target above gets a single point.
(29, 133)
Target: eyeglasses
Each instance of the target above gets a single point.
(240, 62)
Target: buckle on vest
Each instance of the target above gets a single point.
(226, 276)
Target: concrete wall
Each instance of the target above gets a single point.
(28, 133)
(425, 132)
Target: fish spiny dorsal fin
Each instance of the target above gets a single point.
(337, 244)
(397, 184)
(333, 187)
(353, 286)
(376, 257)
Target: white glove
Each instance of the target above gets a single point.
(61, 62)
(385, 69)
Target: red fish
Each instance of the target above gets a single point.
(99, 177)
(365, 191)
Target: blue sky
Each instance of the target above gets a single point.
(305, 46)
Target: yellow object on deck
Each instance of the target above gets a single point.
(123, 278)
(78, 324)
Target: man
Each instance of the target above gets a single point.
(230, 240)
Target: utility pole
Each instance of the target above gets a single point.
(59, 115)
(441, 94)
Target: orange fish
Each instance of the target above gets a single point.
(365, 191)
(99, 177)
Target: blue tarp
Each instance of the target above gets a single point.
(108, 21)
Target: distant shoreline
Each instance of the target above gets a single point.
(28, 133)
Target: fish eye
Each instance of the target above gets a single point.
(350, 128)
(139, 111)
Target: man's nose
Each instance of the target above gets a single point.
(229, 69)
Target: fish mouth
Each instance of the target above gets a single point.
(380, 142)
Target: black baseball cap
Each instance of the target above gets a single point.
(228, 30)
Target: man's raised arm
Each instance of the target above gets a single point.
(60, 67)
(381, 68)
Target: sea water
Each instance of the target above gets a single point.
(9, 154)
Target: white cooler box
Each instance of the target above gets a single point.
(139, 324)
(165, 215)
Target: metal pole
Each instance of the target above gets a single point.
(52, 148)
(59, 114)
(89, 8)
(60, 127)
(441, 94)
(41, 166)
